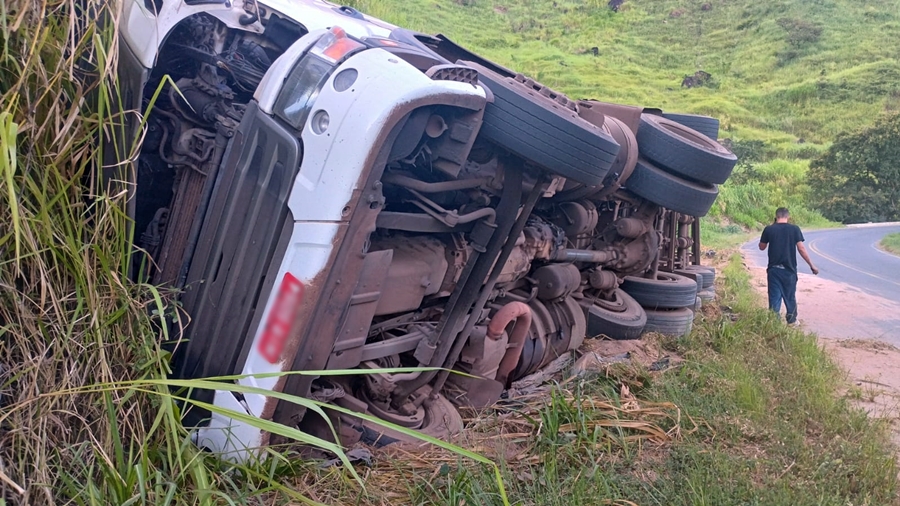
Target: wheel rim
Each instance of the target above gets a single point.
(617, 305)
(384, 411)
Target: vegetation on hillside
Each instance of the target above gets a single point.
(858, 178)
(755, 191)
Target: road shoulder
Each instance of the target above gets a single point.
(849, 325)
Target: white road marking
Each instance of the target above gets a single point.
(812, 246)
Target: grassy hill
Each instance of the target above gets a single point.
(793, 73)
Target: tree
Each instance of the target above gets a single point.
(858, 178)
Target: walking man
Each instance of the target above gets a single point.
(784, 240)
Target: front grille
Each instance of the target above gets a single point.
(240, 248)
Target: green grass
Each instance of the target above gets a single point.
(891, 242)
(87, 416)
(748, 201)
(715, 236)
(753, 193)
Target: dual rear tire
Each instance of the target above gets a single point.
(680, 167)
(670, 300)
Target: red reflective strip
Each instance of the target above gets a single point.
(281, 318)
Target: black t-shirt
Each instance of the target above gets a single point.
(782, 239)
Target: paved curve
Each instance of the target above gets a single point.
(851, 256)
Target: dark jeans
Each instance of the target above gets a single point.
(783, 285)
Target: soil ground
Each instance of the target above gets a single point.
(839, 314)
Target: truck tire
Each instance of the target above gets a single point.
(696, 276)
(618, 173)
(684, 151)
(543, 127)
(670, 322)
(622, 318)
(704, 124)
(671, 192)
(709, 274)
(667, 291)
(625, 161)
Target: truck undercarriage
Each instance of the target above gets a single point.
(483, 235)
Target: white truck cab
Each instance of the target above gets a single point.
(358, 101)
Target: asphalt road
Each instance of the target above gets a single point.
(851, 256)
(848, 255)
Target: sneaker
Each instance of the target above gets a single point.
(795, 323)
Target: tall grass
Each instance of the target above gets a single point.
(69, 316)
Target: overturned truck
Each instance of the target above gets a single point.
(330, 192)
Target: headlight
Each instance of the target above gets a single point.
(301, 89)
(309, 75)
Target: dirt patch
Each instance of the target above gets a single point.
(644, 351)
(849, 324)
(873, 374)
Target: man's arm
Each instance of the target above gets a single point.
(764, 239)
(763, 245)
(802, 250)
